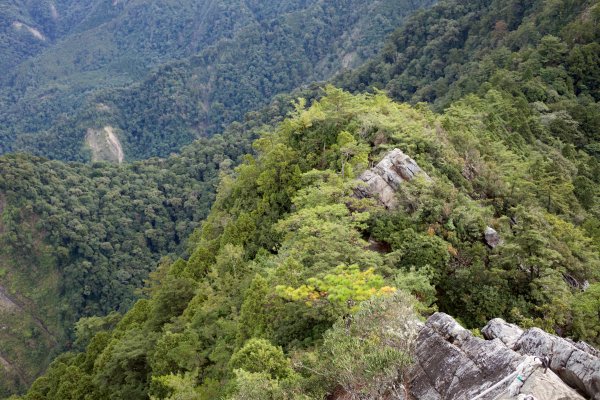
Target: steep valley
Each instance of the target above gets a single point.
(174, 71)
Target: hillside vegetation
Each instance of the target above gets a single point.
(544, 54)
(283, 255)
(78, 240)
(293, 287)
(165, 73)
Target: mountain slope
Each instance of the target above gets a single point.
(28, 28)
(539, 52)
(234, 57)
(284, 254)
(21, 27)
(78, 240)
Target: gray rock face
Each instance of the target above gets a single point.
(509, 334)
(575, 363)
(492, 238)
(383, 180)
(453, 364)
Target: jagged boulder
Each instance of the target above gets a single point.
(509, 334)
(492, 238)
(577, 364)
(451, 363)
(383, 180)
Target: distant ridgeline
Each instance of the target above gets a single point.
(158, 75)
(543, 55)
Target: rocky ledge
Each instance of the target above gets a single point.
(510, 363)
(384, 180)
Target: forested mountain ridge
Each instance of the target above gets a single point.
(260, 308)
(233, 58)
(269, 303)
(546, 54)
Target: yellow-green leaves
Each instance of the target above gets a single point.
(352, 155)
(343, 288)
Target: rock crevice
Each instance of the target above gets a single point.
(577, 364)
(452, 363)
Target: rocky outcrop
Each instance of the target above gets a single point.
(509, 334)
(383, 180)
(451, 363)
(492, 238)
(6, 303)
(577, 364)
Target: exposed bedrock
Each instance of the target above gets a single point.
(452, 363)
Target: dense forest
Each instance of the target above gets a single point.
(251, 314)
(545, 54)
(293, 286)
(162, 74)
(78, 240)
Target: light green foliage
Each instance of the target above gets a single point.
(260, 356)
(179, 387)
(368, 355)
(175, 352)
(87, 328)
(324, 232)
(586, 323)
(418, 283)
(352, 155)
(260, 386)
(342, 289)
(324, 236)
(253, 313)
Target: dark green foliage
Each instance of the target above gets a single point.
(78, 240)
(164, 73)
(123, 366)
(96, 215)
